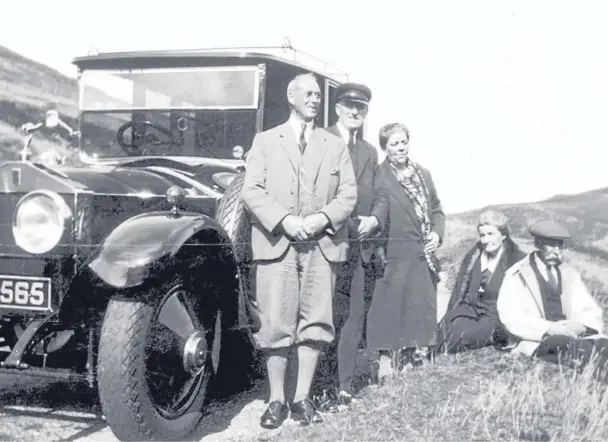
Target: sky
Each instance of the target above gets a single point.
(505, 101)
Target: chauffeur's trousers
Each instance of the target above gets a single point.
(352, 299)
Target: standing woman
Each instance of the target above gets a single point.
(402, 317)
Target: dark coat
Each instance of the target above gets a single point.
(404, 306)
(372, 197)
(459, 302)
(471, 321)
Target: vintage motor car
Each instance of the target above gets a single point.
(126, 267)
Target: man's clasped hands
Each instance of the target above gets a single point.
(303, 228)
(299, 228)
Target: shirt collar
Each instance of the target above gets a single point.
(344, 132)
(296, 125)
(490, 263)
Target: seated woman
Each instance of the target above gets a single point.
(471, 320)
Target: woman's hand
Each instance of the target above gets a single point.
(433, 242)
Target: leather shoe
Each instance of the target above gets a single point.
(305, 413)
(274, 415)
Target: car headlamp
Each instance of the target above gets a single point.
(39, 221)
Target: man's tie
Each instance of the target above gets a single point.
(351, 146)
(352, 141)
(551, 278)
(302, 142)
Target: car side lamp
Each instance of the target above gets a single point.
(238, 152)
(175, 196)
(51, 121)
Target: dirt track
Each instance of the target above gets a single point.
(52, 412)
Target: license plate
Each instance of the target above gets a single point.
(25, 293)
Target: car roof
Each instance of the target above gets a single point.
(197, 57)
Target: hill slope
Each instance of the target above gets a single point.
(26, 88)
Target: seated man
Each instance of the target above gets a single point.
(546, 308)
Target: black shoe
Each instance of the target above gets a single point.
(305, 413)
(326, 403)
(274, 415)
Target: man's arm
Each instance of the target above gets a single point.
(263, 206)
(380, 203)
(585, 309)
(512, 295)
(342, 205)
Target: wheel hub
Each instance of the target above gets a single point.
(195, 352)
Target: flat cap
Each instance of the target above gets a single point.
(549, 229)
(354, 92)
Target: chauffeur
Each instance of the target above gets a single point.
(355, 283)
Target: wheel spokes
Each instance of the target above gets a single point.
(187, 392)
(177, 315)
(177, 341)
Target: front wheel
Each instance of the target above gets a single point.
(156, 357)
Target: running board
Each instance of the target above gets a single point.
(54, 373)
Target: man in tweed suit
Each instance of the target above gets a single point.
(300, 189)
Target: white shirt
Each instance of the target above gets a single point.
(344, 132)
(543, 268)
(490, 263)
(296, 124)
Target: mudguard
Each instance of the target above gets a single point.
(140, 241)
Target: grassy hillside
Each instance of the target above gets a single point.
(26, 88)
(486, 394)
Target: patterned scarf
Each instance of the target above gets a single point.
(416, 190)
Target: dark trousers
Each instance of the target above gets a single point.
(352, 299)
(469, 332)
(576, 353)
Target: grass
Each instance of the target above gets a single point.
(477, 395)
(486, 394)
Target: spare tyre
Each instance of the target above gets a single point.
(235, 220)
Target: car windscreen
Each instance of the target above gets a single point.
(227, 87)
